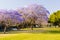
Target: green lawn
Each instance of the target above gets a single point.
(33, 36)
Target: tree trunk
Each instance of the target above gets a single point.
(31, 27)
(4, 29)
(18, 28)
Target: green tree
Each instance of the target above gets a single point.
(55, 18)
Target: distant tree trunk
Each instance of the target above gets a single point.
(5, 29)
(31, 27)
(4, 26)
(59, 25)
(18, 28)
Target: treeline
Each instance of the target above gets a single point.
(31, 16)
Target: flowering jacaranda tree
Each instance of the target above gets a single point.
(41, 14)
(10, 18)
(35, 14)
(30, 15)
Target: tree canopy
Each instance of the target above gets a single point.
(55, 18)
(35, 12)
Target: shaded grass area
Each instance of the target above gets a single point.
(35, 30)
(36, 34)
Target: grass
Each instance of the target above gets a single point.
(51, 34)
(30, 36)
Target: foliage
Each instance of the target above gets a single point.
(34, 14)
(55, 18)
(27, 16)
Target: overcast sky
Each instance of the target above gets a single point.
(50, 5)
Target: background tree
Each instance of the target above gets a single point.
(36, 13)
(10, 18)
(55, 18)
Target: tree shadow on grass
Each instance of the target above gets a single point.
(33, 31)
(53, 31)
